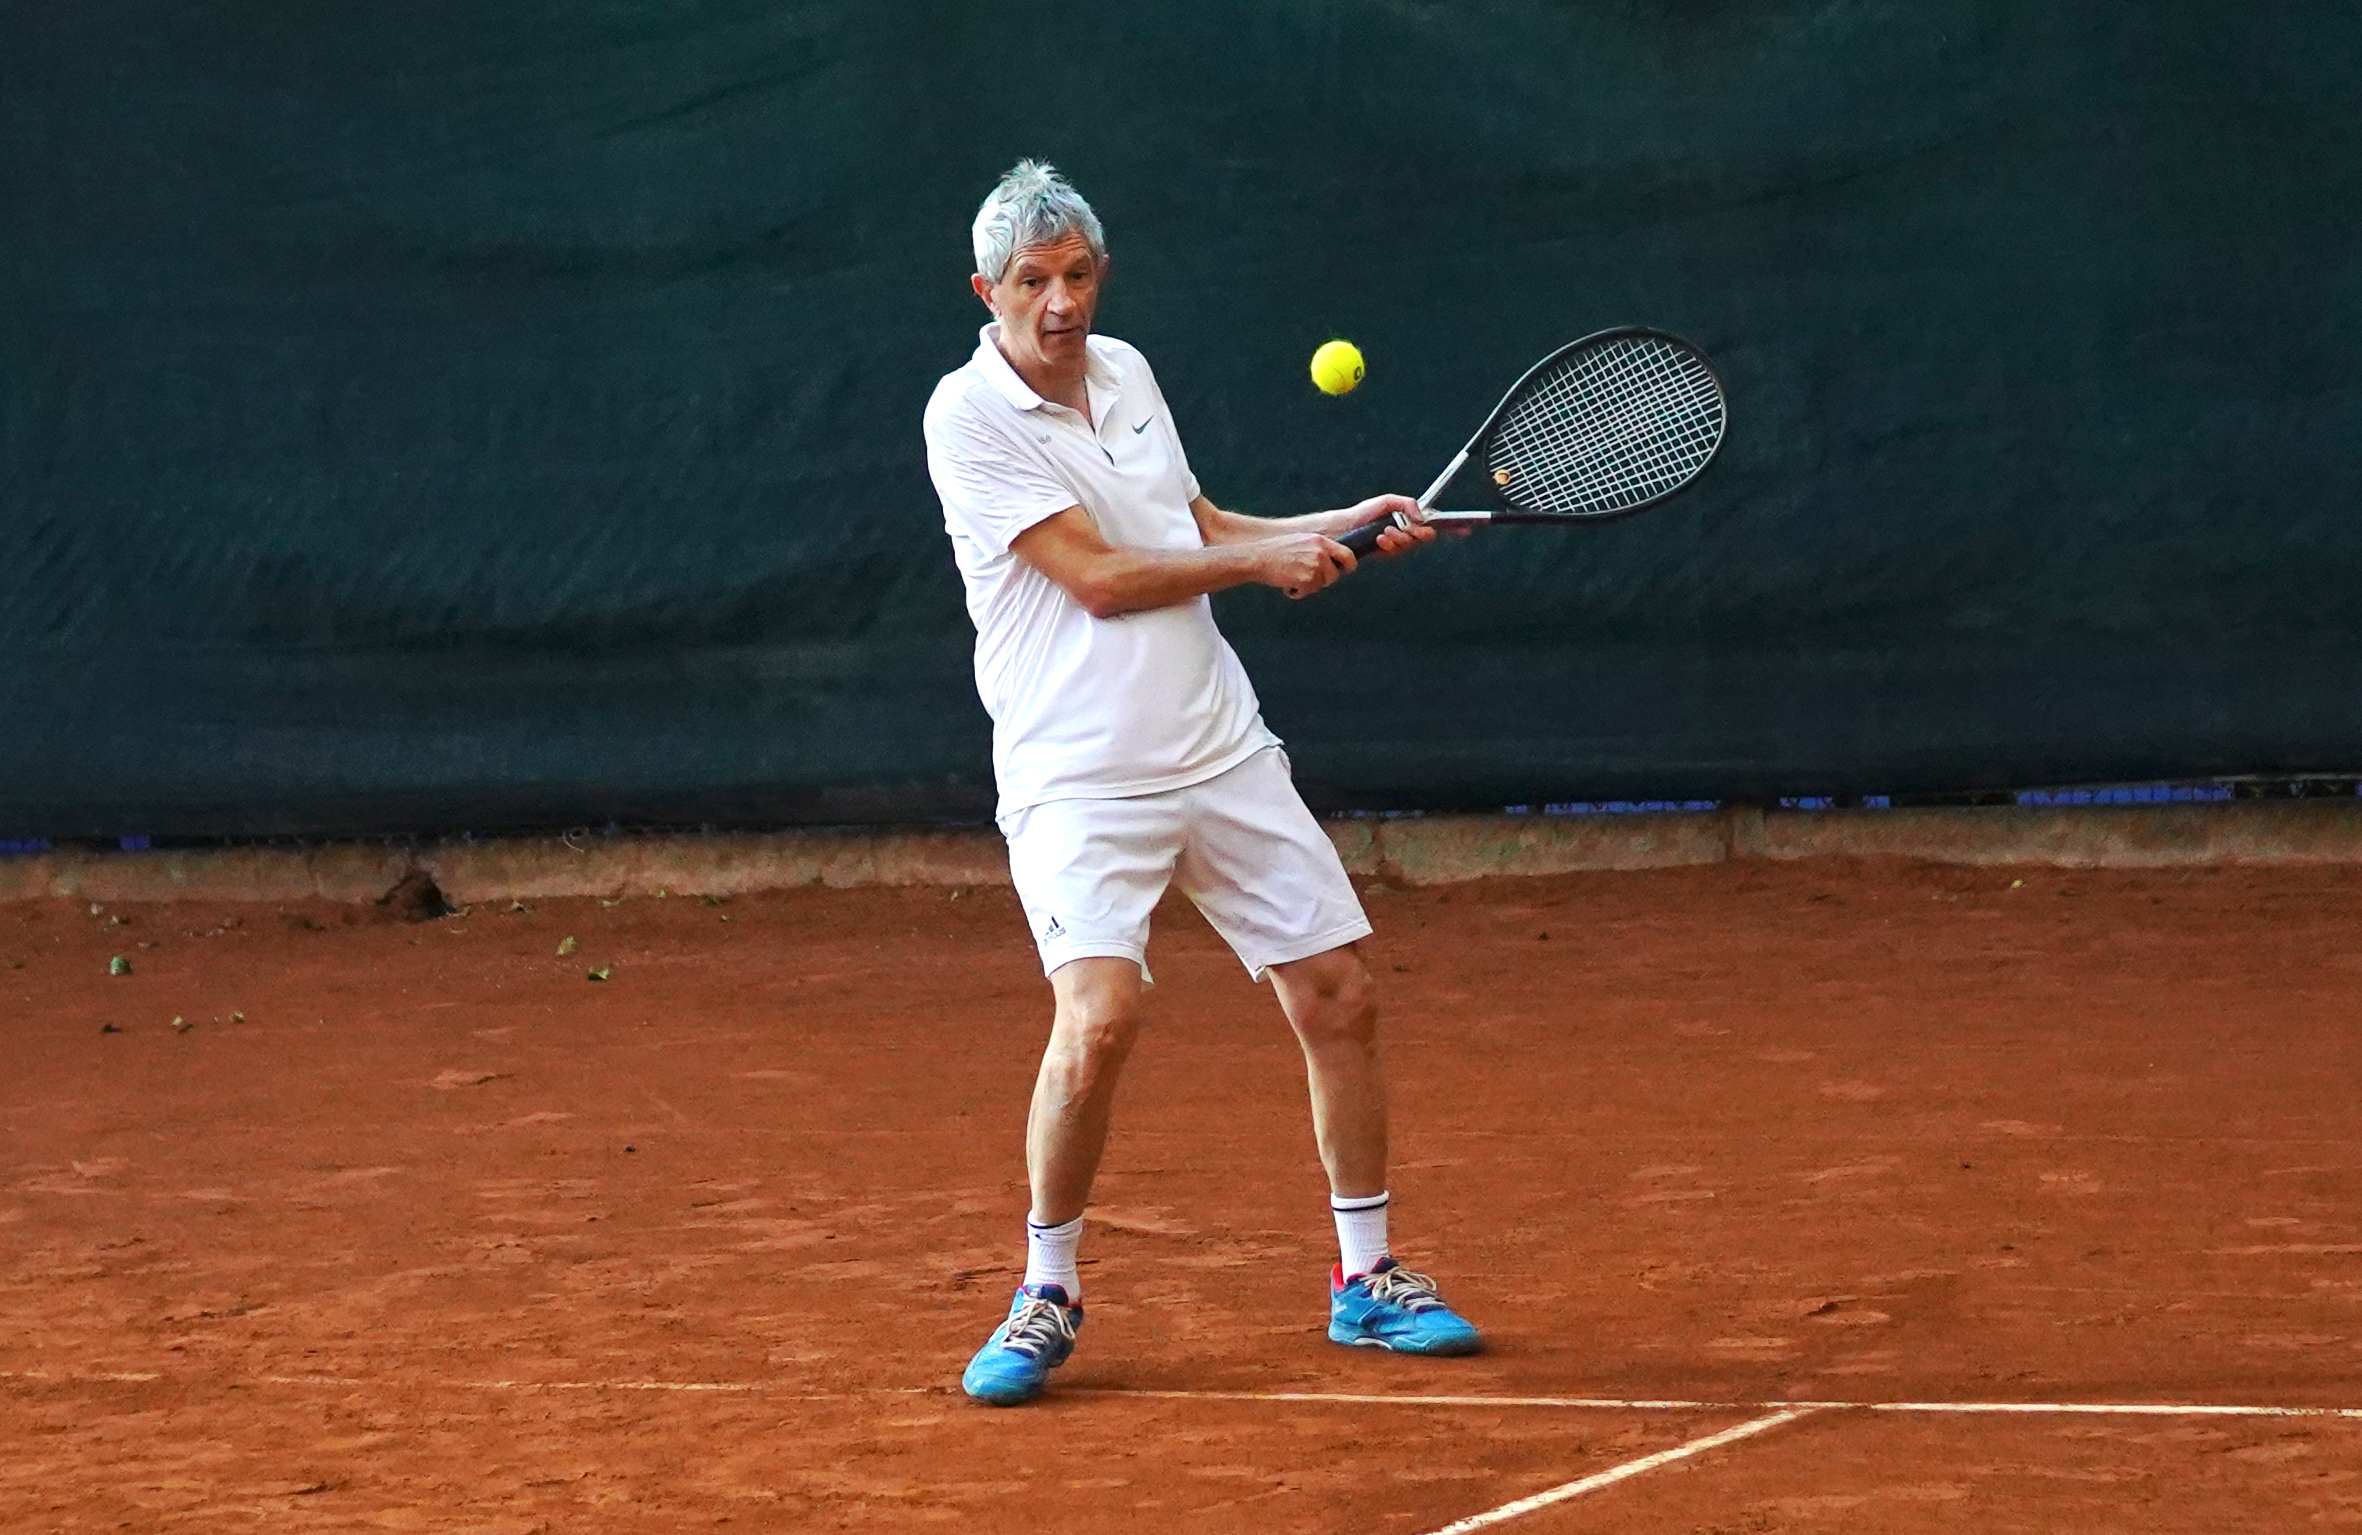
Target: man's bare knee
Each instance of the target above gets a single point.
(1098, 1016)
(1330, 999)
(1096, 1033)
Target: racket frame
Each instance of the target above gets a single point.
(1504, 513)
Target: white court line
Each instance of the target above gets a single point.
(1643, 1404)
(1615, 1474)
(532, 1385)
(723, 1386)
(1396, 1400)
(2132, 1409)
(1347, 1398)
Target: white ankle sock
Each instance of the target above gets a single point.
(1049, 1256)
(1361, 1232)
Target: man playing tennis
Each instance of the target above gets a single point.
(1131, 754)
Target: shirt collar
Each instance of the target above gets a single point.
(1098, 377)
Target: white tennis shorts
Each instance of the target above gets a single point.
(1240, 845)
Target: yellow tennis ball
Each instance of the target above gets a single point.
(1337, 367)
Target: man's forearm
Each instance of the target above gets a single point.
(1221, 527)
(1110, 579)
(1131, 580)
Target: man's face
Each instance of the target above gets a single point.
(1044, 301)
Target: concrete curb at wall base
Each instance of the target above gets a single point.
(1412, 850)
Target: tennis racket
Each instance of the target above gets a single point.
(1603, 427)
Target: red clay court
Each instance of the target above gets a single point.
(445, 1236)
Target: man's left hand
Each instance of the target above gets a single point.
(1395, 540)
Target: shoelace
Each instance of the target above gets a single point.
(1412, 1292)
(1037, 1324)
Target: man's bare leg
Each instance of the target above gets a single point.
(1091, 1037)
(1330, 1001)
(1373, 1303)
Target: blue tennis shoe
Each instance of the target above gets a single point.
(1390, 1307)
(1016, 1361)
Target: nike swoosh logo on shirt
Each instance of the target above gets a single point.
(1142, 427)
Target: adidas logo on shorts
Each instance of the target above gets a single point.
(1051, 929)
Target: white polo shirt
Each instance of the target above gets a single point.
(1082, 707)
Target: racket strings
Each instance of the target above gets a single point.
(1612, 427)
(1623, 424)
(1606, 443)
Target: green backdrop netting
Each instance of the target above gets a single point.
(506, 413)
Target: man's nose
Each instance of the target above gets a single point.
(1061, 300)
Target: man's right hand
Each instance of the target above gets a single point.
(1300, 564)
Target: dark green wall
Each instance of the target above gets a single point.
(439, 415)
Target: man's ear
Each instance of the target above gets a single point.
(983, 289)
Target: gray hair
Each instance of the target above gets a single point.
(1033, 205)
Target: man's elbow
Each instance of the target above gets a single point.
(1100, 599)
(1106, 588)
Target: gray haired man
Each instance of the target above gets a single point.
(1131, 755)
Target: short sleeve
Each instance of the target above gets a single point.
(992, 488)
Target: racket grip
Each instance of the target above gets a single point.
(1364, 539)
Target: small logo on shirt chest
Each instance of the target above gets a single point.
(1142, 427)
